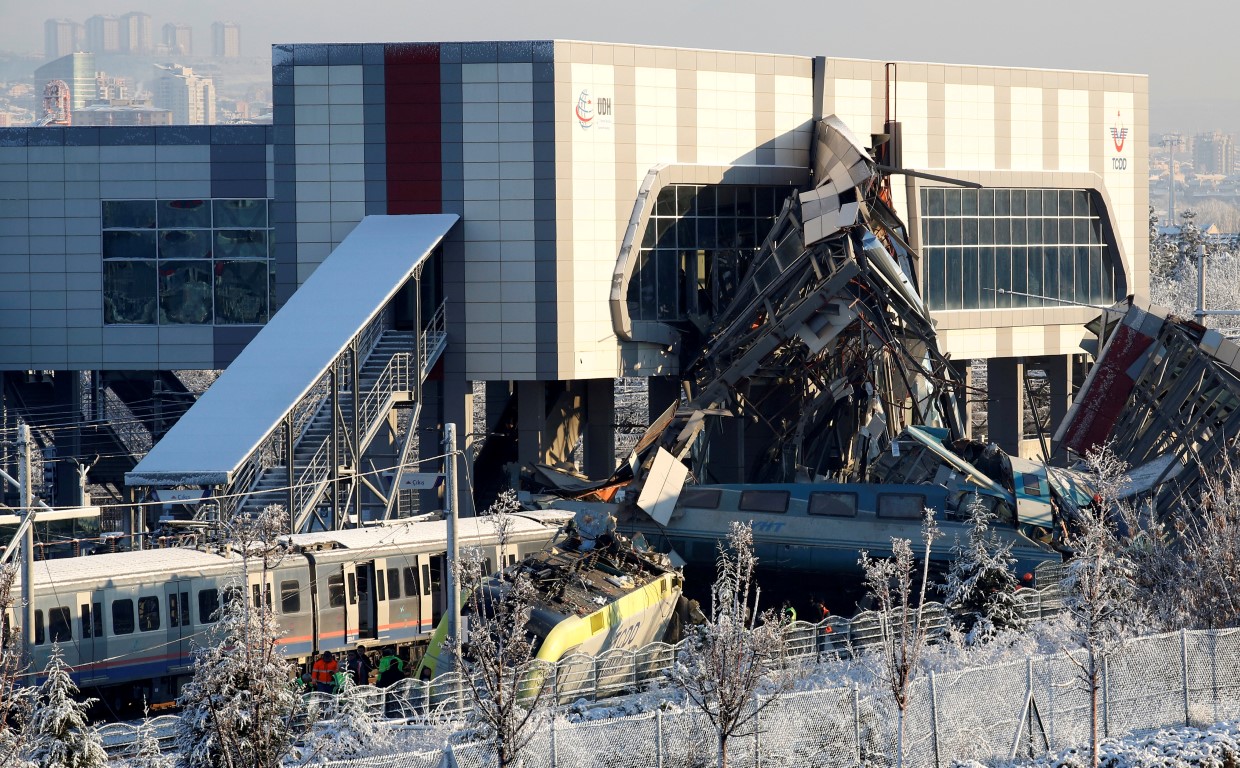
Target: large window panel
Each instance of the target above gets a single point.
(129, 214)
(241, 292)
(240, 214)
(241, 244)
(129, 292)
(184, 244)
(184, 214)
(129, 244)
(185, 292)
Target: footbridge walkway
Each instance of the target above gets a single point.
(291, 419)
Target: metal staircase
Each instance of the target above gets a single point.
(319, 485)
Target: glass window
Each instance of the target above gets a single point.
(764, 501)
(833, 504)
(208, 605)
(426, 579)
(185, 292)
(129, 291)
(290, 596)
(703, 498)
(903, 506)
(241, 244)
(380, 586)
(240, 292)
(178, 609)
(411, 580)
(129, 214)
(184, 244)
(87, 627)
(335, 590)
(128, 244)
(393, 583)
(59, 625)
(40, 636)
(122, 617)
(240, 213)
(184, 213)
(352, 589)
(148, 613)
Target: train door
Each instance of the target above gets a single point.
(351, 632)
(435, 585)
(367, 600)
(92, 646)
(180, 626)
(382, 621)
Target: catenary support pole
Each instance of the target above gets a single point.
(27, 504)
(454, 547)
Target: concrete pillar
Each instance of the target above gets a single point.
(531, 421)
(1005, 412)
(964, 400)
(1058, 370)
(600, 428)
(662, 391)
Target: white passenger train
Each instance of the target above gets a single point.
(128, 623)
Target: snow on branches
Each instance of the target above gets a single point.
(60, 733)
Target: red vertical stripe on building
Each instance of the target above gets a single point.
(414, 165)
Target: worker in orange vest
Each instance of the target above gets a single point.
(324, 673)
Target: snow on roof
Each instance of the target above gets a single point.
(102, 568)
(291, 352)
(418, 533)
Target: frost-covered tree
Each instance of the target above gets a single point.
(147, 753)
(15, 699)
(239, 710)
(504, 681)
(1098, 586)
(902, 630)
(981, 587)
(736, 654)
(61, 734)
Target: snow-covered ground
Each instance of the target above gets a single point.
(1217, 746)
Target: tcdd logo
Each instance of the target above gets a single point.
(585, 109)
(1119, 133)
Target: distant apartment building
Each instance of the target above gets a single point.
(61, 37)
(136, 33)
(109, 88)
(226, 40)
(77, 70)
(190, 98)
(178, 39)
(103, 34)
(121, 112)
(1214, 153)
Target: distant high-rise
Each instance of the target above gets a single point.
(226, 39)
(61, 37)
(1214, 153)
(76, 69)
(103, 34)
(136, 34)
(190, 98)
(179, 39)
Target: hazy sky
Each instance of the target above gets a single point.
(1183, 47)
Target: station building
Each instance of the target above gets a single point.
(607, 195)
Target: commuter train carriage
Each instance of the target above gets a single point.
(128, 622)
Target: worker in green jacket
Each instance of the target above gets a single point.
(391, 667)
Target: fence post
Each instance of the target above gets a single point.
(1184, 671)
(658, 738)
(554, 751)
(857, 720)
(934, 717)
(1106, 697)
(757, 735)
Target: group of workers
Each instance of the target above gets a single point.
(328, 675)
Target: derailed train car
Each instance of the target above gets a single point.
(128, 623)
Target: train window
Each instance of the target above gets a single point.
(512, 560)
(208, 605)
(86, 627)
(148, 614)
(122, 617)
(393, 584)
(833, 504)
(426, 579)
(352, 589)
(59, 626)
(764, 501)
(380, 585)
(702, 498)
(290, 596)
(335, 590)
(486, 567)
(39, 636)
(902, 506)
(411, 582)
(178, 610)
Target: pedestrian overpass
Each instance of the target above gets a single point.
(297, 418)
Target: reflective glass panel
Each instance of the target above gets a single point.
(240, 292)
(129, 292)
(184, 214)
(129, 245)
(185, 292)
(241, 244)
(184, 244)
(129, 214)
(242, 214)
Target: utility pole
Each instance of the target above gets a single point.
(1171, 141)
(27, 504)
(454, 546)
